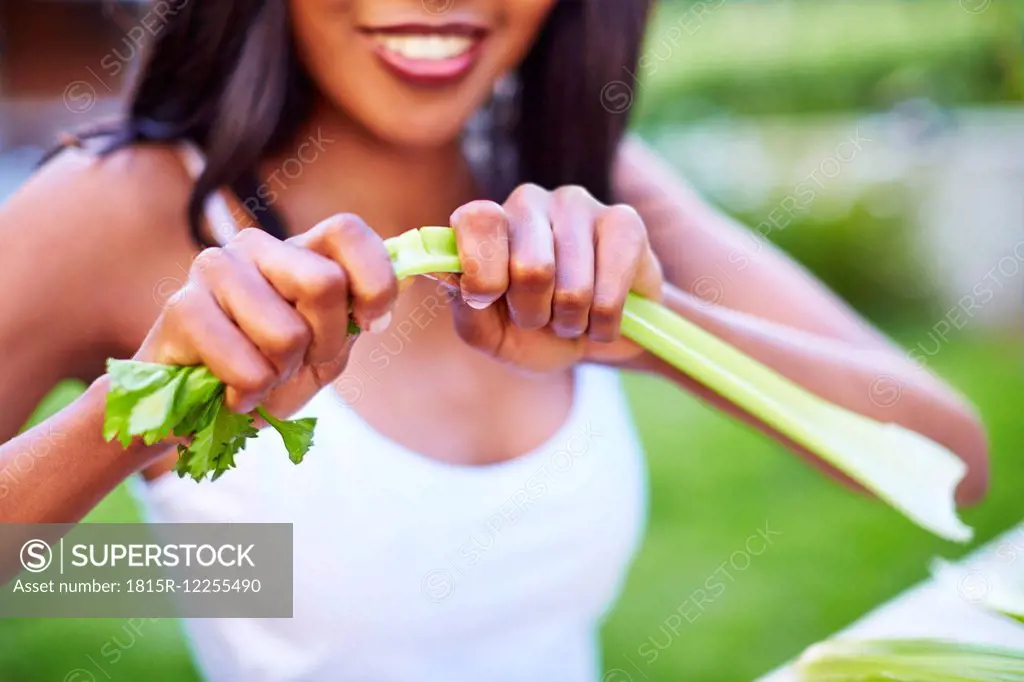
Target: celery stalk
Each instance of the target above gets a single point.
(910, 472)
(423, 251)
(908, 660)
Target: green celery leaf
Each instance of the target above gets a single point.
(200, 415)
(236, 438)
(297, 434)
(214, 446)
(130, 383)
(137, 377)
(200, 388)
(153, 401)
(153, 415)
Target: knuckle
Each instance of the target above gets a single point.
(477, 213)
(288, 339)
(532, 275)
(248, 238)
(375, 285)
(209, 260)
(573, 300)
(378, 292)
(626, 224)
(183, 304)
(342, 226)
(327, 285)
(525, 193)
(624, 213)
(606, 310)
(571, 195)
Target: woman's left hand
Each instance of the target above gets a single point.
(546, 275)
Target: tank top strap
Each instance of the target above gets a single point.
(192, 158)
(224, 215)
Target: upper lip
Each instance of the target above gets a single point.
(449, 29)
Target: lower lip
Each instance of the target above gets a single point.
(435, 72)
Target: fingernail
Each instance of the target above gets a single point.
(477, 303)
(380, 324)
(288, 373)
(247, 404)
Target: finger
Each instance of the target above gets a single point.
(572, 221)
(481, 233)
(650, 278)
(210, 338)
(621, 247)
(257, 308)
(373, 288)
(316, 285)
(531, 258)
(483, 329)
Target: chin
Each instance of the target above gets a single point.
(423, 140)
(417, 133)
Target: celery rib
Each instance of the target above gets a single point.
(908, 660)
(910, 472)
(907, 470)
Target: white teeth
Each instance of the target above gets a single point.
(426, 47)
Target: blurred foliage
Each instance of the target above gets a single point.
(865, 254)
(804, 58)
(722, 57)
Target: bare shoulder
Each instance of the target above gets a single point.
(86, 197)
(88, 233)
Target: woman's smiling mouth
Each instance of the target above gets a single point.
(428, 55)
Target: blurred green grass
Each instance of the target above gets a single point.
(837, 554)
(717, 57)
(834, 554)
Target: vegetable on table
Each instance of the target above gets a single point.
(987, 583)
(908, 660)
(907, 470)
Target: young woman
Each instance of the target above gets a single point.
(476, 492)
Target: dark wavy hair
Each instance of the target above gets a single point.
(225, 76)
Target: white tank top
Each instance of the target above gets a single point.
(409, 569)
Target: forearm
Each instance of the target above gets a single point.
(872, 381)
(59, 470)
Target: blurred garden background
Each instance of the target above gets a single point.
(881, 142)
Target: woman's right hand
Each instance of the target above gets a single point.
(270, 318)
